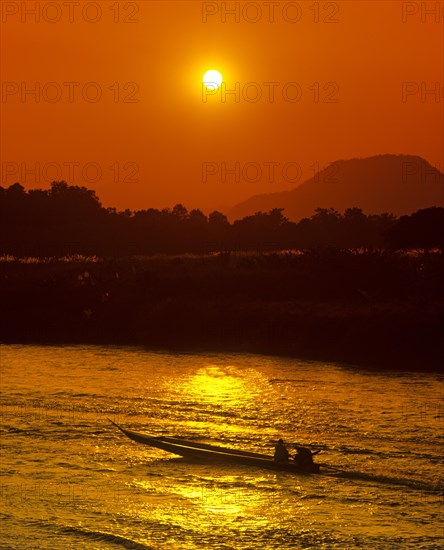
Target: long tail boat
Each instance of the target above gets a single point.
(217, 454)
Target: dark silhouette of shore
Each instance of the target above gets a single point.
(356, 292)
(377, 309)
(67, 220)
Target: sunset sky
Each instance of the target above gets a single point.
(349, 79)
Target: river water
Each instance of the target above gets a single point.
(71, 480)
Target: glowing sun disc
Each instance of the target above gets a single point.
(212, 79)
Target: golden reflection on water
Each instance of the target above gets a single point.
(218, 396)
(214, 384)
(223, 499)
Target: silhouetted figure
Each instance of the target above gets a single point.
(280, 452)
(304, 457)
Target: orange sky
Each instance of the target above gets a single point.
(364, 52)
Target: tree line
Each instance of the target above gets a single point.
(69, 219)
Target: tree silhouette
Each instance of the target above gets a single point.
(69, 219)
(423, 229)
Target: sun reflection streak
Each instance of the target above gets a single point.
(219, 399)
(213, 383)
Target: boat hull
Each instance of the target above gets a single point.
(216, 454)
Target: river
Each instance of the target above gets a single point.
(70, 479)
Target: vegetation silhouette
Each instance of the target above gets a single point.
(68, 220)
(337, 287)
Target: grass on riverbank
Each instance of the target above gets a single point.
(377, 308)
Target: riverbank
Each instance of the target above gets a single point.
(376, 310)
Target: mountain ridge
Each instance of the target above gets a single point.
(399, 184)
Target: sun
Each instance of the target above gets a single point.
(212, 79)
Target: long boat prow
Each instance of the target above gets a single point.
(139, 438)
(118, 427)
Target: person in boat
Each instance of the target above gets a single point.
(280, 452)
(303, 457)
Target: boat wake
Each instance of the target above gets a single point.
(417, 484)
(100, 536)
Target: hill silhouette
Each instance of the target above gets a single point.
(399, 184)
